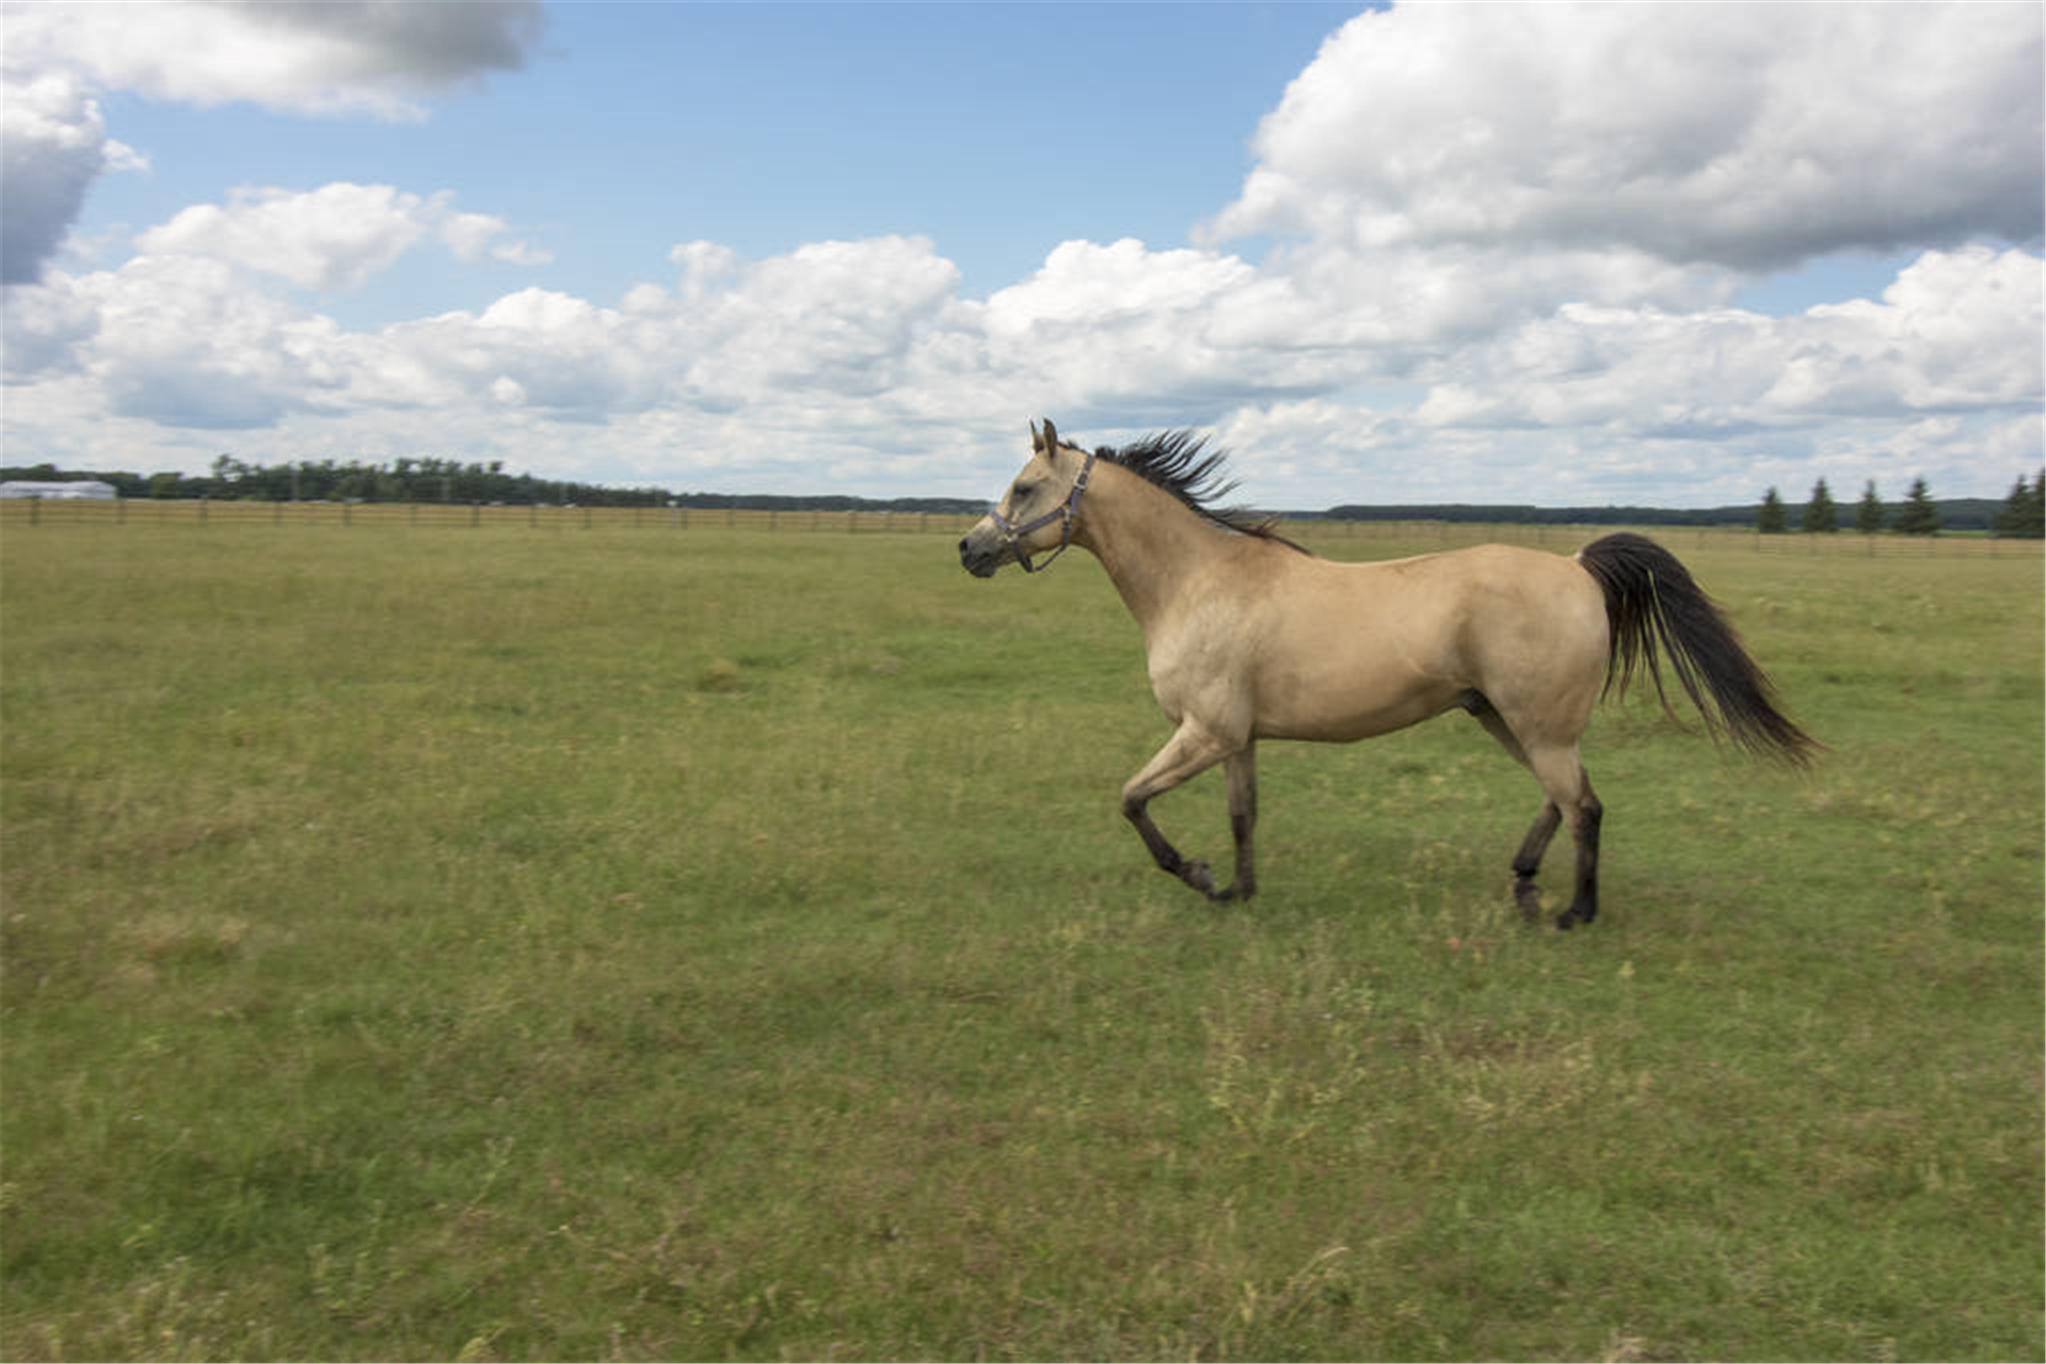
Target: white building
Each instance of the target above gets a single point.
(83, 488)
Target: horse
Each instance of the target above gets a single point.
(1248, 636)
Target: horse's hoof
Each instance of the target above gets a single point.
(1196, 874)
(1529, 897)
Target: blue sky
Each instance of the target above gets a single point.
(1562, 255)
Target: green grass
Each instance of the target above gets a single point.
(498, 944)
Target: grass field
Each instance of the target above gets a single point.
(497, 944)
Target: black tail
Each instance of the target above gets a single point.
(1653, 604)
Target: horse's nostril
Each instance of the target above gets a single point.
(962, 546)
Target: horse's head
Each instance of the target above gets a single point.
(1035, 515)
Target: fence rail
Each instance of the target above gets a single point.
(22, 513)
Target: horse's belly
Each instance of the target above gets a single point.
(1340, 709)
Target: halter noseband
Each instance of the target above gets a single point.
(1064, 512)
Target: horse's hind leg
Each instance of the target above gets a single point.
(1528, 860)
(1569, 791)
(1566, 790)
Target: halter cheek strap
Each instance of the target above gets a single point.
(1064, 512)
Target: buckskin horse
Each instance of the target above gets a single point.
(1248, 636)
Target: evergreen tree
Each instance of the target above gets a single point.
(1770, 520)
(1868, 515)
(1918, 516)
(1820, 514)
(2034, 524)
(2016, 516)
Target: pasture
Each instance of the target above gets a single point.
(516, 943)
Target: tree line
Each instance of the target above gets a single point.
(2022, 515)
(449, 481)
(452, 481)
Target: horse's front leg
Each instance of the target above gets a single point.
(1191, 751)
(1242, 769)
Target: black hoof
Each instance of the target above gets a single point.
(1196, 874)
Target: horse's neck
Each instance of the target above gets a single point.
(1150, 543)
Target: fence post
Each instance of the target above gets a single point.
(475, 514)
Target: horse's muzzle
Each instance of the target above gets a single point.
(981, 555)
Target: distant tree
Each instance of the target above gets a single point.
(1770, 520)
(1820, 514)
(1868, 513)
(2016, 516)
(1918, 516)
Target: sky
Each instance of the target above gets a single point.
(1555, 254)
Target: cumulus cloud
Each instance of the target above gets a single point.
(56, 145)
(180, 344)
(376, 57)
(1957, 331)
(350, 56)
(1750, 137)
(332, 238)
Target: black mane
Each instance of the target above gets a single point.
(1173, 460)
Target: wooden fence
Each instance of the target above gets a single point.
(18, 514)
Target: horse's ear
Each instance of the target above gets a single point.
(1036, 440)
(1051, 437)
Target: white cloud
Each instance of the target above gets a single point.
(1749, 136)
(180, 344)
(475, 236)
(333, 238)
(843, 317)
(346, 56)
(861, 358)
(1958, 331)
(378, 57)
(44, 328)
(56, 145)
